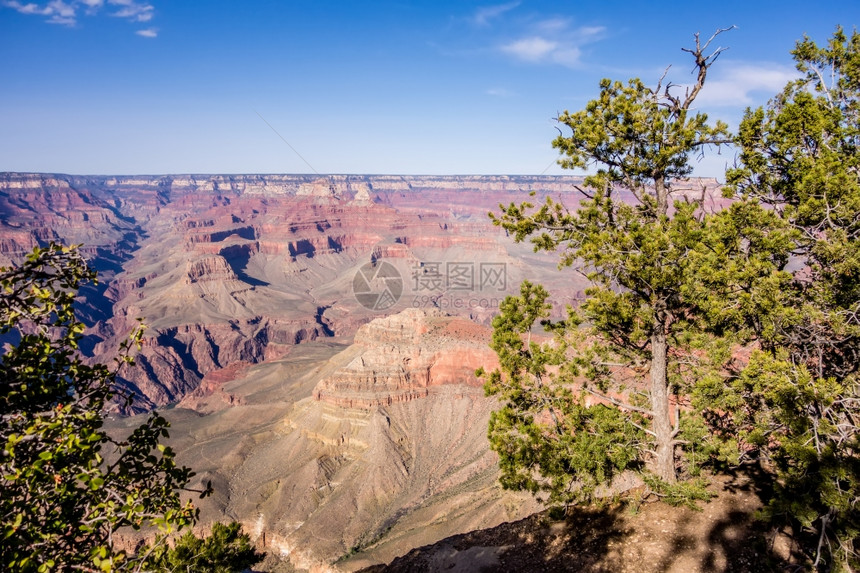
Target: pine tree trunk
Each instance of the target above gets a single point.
(664, 462)
(661, 194)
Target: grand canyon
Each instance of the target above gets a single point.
(313, 340)
(429, 287)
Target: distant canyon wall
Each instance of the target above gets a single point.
(239, 268)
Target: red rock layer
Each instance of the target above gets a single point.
(403, 356)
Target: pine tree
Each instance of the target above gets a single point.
(225, 550)
(798, 401)
(625, 345)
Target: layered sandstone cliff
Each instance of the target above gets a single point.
(241, 267)
(334, 454)
(354, 455)
(403, 356)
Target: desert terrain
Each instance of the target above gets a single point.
(312, 340)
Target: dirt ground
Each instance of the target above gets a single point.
(722, 537)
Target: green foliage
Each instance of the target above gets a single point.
(604, 395)
(61, 502)
(685, 493)
(637, 136)
(797, 400)
(748, 318)
(226, 550)
(548, 440)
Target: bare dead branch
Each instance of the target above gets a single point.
(703, 62)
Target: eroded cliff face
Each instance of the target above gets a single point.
(226, 268)
(402, 357)
(37, 209)
(341, 433)
(387, 452)
(242, 267)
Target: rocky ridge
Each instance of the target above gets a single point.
(402, 357)
(240, 267)
(348, 460)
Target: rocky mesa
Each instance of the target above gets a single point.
(345, 456)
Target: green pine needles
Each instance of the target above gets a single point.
(707, 338)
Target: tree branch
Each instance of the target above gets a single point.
(620, 404)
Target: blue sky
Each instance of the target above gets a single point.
(444, 87)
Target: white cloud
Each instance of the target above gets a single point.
(736, 85)
(26, 8)
(65, 11)
(570, 57)
(500, 92)
(483, 15)
(135, 11)
(148, 33)
(532, 49)
(57, 11)
(92, 6)
(61, 13)
(553, 41)
(590, 33)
